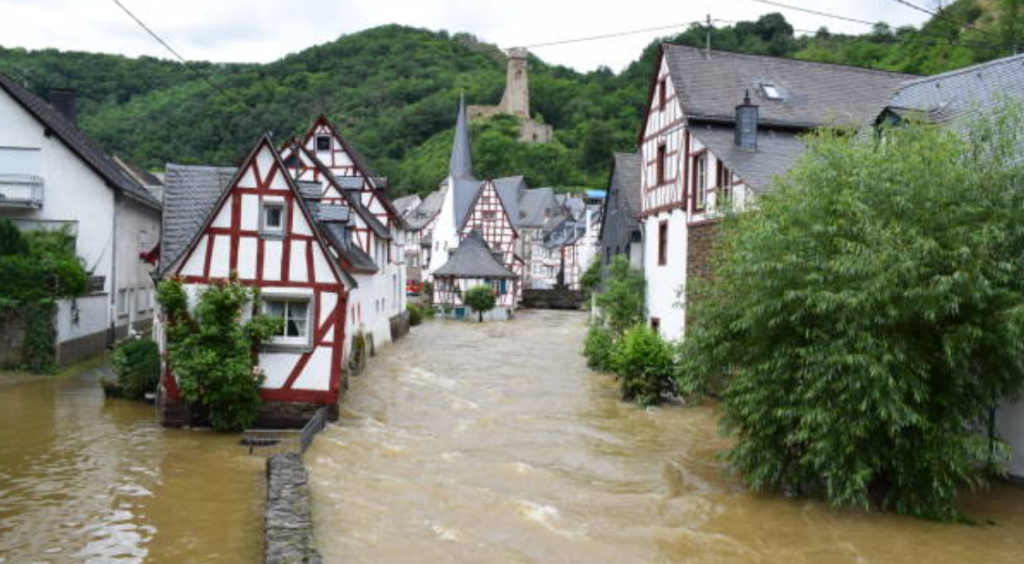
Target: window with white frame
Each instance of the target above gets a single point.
(700, 181)
(323, 142)
(122, 302)
(272, 217)
(294, 312)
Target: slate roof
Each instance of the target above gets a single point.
(428, 208)
(777, 151)
(814, 94)
(465, 191)
(406, 204)
(623, 201)
(341, 240)
(945, 97)
(96, 158)
(473, 259)
(537, 206)
(460, 164)
(190, 192)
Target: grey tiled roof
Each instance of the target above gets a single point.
(311, 189)
(460, 164)
(473, 259)
(945, 97)
(425, 212)
(537, 206)
(621, 208)
(406, 204)
(96, 158)
(465, 191)
(813, 93)
(349, 182)
(510, 189)
(190, 192)
(776, 153)
(332, 212)
(341, 240)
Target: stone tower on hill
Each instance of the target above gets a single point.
(516, 101)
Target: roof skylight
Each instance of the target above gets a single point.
(771, 91)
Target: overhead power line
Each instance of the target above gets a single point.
(814, 12)
(944, 17)
(184, 62)
(611, 35)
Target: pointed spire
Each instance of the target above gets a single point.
(461, 163)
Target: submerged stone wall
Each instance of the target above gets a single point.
(554, 298)
(288, 524)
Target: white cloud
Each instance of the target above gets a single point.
(263, 30)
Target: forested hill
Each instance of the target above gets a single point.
(393, 91)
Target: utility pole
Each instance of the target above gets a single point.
(707, 36)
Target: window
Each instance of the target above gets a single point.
(662, 243)
(323, 142)
(656, 324)
(272, 218)
(662, 94)
(20, 160)
(295, 313)
(660, 164)
(771, 91)
(122, 302)
(490, 215)
(700, 181)
(723, 181)
(141, 301)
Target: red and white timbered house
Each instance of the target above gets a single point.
(718, 128)
(254, 223)
(325, 157)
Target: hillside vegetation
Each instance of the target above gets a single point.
(393, 90)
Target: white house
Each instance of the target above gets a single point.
(52, 176)
(720, 126)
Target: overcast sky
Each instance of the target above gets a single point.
(264, 30)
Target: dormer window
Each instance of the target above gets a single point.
(771, 91)
(323, 142)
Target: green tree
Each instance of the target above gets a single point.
(644, 365)
(212, 349)
(622, 302)
(480, 298)
(869, 314)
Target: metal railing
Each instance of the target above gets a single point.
(268, 442)
(21, 190)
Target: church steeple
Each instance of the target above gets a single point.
(461, 163)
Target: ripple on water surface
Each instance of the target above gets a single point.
(494, 443)
(89, 480)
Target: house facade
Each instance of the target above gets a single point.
(377, 306)
(254, 223)
(475, 264)
(718, 128)
(53, 177)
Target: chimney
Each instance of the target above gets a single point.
(746, 124)
(63, 100)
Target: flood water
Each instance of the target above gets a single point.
(95, 481)
(493, 443)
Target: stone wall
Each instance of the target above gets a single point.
(288, 515)
(554, 298)
(699, 248)
(399, 325)
(12, 339)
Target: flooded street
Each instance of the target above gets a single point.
(493, 443)
(89, 480)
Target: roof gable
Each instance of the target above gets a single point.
(473, 259)
(91, 154)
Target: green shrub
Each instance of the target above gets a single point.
(598, 348)
(622, 301)
(591, 278)
(869, 315)
(137, 366)
(480, 298)
(415, 314)
(643, 362)
(213, 352)
(429, 312)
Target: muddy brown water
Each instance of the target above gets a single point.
(95, 481)
(493, 443)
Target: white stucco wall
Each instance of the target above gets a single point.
(1010, 424)
(664, 281)
(75, 194)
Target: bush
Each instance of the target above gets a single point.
(480, 298)
(213, 352)
(598, 348)
(644, 365)
(869, 314)
(622, 301)
(415, 314)
(591, 278)
(137, 366)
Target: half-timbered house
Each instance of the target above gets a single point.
(325, 159)
(473, 264)
(718, 128)
(256, 223)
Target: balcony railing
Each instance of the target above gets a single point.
(21, 191)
